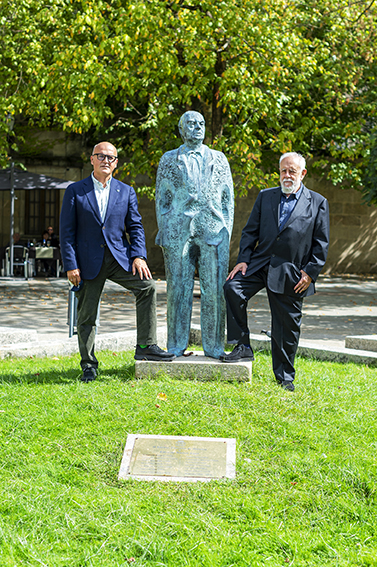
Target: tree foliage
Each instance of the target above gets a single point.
(268, 75)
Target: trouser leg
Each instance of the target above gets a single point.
(87, 305)
(237, 292)
(180, 271)
(286, 312)
(88, 300)
(145, 293)
(213, 267)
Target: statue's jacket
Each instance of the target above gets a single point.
(191, 203)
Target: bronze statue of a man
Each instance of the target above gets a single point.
(195, 207)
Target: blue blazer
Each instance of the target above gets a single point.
(302, 244)
(83, 235)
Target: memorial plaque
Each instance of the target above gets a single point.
(178, 458)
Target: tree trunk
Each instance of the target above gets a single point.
(217, 108)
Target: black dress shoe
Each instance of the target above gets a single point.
(89, 374)
(240, 352)
(153, 352)
(287, 385)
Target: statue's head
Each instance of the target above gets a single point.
(192, 127)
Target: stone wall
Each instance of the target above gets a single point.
(353, 231)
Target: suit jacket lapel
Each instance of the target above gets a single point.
(182, 161)
(113, 197)
(275, 202)
(301, 206)
(91, 196)
(207, 166)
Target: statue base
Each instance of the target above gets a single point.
(196, 367)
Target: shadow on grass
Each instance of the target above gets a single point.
(124, 373)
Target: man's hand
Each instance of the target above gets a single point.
(241, 267)
(74, 276)
(304, 282)
(139, 265)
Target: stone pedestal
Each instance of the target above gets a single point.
(196, 367)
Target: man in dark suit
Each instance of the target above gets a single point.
(102, 237)
(283, 249)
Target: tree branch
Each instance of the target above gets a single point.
(363, 12)
(256, 51)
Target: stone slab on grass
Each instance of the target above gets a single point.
(196, 367)
(362, 342)
(13, 336)
(123, 341)
(178, 458)
(343, 355)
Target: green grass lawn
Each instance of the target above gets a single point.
(305, 492)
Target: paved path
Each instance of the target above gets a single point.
(342, 306)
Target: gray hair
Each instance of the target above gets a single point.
(299, 158)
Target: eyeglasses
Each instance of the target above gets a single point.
(103, 157)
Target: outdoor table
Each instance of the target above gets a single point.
(46, 253)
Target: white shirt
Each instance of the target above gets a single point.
(102, 195)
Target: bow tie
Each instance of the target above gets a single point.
(194, 153)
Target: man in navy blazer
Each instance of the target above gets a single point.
(102, 237)
(283, 248)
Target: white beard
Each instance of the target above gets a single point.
(292, 187)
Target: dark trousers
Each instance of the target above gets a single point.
(87, 305)
(286, 313)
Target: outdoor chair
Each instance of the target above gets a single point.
(20, 258)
